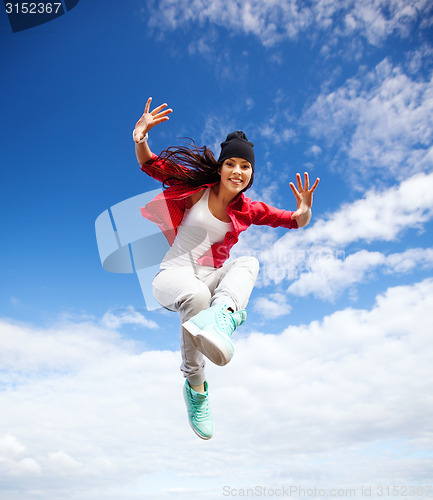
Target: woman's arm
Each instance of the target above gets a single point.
(147, 121)
(304, 199)
(143, 152)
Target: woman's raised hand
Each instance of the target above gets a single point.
(150, 119)
(303, 195)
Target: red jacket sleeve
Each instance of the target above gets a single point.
(167, 169)
(263, 214)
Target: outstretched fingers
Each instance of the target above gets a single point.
(306, 187)
(299, 182)
(151, 118)
(158, 109)
(295, 191)
(163, 113)
(303, 195)
(314, 185)
(147, 107)
(159, 120)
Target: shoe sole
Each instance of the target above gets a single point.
(202, 436)
(213, 347)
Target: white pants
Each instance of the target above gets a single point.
(190, 291)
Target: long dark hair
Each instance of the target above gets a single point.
(193, 165)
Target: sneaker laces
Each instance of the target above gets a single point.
(200, 407)
(226, 321)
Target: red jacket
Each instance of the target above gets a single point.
(167, 210)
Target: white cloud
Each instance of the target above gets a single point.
(276, 134)
(273, 306)
(379, 19)
(63, 463)
(410, 259)
(9, 445)
(381, 215)
(21, 346)
(415, 59)
(249, 103)
(327, 275)
(315, 150)
(130, 316)
(340, 401)
(381, 121)
(215, 131)
(272, 21)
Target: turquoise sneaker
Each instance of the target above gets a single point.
(199, 415)
(210, 331)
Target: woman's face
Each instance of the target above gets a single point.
(235, 174)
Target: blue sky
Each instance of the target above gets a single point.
(331, 379)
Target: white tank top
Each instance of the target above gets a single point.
(198, 231)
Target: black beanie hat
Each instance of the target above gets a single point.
(237, 145)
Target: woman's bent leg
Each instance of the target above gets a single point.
(233, 283)
(180, 290)
(231, 286)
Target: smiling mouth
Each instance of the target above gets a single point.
(236, 181)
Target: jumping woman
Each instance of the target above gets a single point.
(202, 212)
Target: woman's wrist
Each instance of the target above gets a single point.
(304, 219)
(146, 136)
(142, 150)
